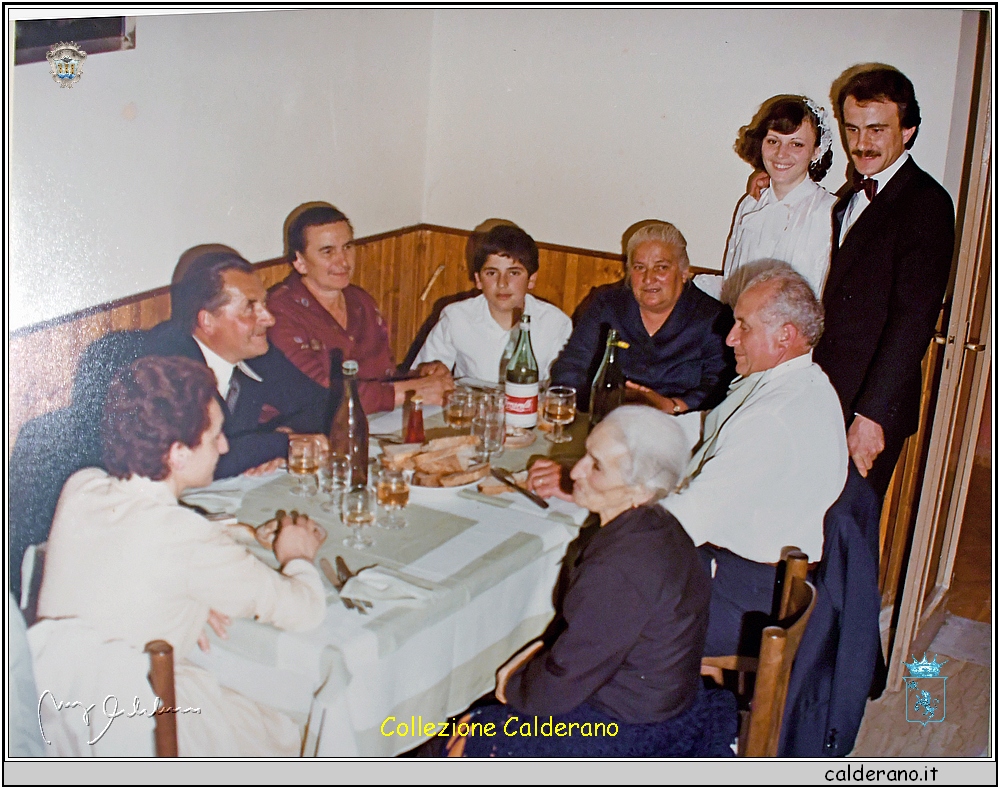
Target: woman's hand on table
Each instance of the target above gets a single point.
(546, 477)
(298, 537)
(219, 622)
(265, 468)
(512, 665)
(670, 405)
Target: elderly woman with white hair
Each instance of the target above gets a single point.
(677, 359)
(617, 673)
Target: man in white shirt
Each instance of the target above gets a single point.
(769, 460)
(474, 335)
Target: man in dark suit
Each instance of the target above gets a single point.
(219, 318)
(893, 238)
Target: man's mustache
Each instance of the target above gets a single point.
(862, 154)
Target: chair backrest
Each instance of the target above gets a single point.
(32, 571)
(161, 679)
(777, 653)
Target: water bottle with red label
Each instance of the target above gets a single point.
(521, 386)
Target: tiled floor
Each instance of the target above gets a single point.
(966, 729)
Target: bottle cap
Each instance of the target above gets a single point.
(350, 367)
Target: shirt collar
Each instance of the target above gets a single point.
(799, 362)
(224, 370)
(797, 195)
(882, 178)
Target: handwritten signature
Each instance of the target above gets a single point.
(110, 710)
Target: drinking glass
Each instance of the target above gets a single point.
(357, 511)
(458, 408)
(393, 494)
(303, 463)
(560, 409)
(338, 473)
(489, 429)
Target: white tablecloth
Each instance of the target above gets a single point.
(491, 572)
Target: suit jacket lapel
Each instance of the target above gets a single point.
(872, 220)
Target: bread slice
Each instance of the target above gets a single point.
(451, 442)
(465, 477)
(427, 480)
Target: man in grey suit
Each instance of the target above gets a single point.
(893, 239)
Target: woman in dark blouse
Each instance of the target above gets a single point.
(617, 673)
(677, 357)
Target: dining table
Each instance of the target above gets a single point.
(460, 589)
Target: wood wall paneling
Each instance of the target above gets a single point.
(393, 267)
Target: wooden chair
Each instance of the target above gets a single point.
(161, 679)
(760, 729)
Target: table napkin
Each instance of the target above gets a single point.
(226, 495)
(559, 510)
(376, 583)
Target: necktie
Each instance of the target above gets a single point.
(233, 393)
(739, 391)
(869, 185)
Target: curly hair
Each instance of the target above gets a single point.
(156, 401)
(784, 115)
(507, 241)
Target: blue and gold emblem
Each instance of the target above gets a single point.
(925, 691)
(66, 63)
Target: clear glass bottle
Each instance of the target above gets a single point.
(521, 381)
(349, 429)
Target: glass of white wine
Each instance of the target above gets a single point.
(560, 409)
(357, 511)
(303, 463)
(393, 491)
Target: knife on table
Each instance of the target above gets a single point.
(508, 480)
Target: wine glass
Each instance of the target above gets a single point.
(303, 463)
(338, 473)
(560, 410)
(393, 494)
(488, 427)
(357, 511)
(458, 408)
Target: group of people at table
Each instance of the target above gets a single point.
(823, 311)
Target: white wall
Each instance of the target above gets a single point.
(212, 130)
(573, 123)
(578, 123)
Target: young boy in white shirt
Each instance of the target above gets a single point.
(471, 335)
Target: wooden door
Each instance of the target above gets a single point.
(966, 357)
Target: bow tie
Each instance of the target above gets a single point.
(869, 185)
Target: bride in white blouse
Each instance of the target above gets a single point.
(790, 139)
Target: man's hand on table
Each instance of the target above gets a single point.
(431, 387)
(546, 478)
(670, 405)
(865, 442)
(219, 622)
(512, 665)
(432, 368)
(298, 537)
